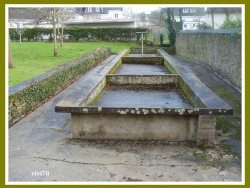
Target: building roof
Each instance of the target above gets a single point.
(199, 11)
(103, 10)
(87, 21)
(224, 9)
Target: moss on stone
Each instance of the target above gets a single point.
(229, 150)
(97, 95)
(229, 124)
(226, 94)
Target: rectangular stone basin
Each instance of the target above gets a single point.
(135, 64)
(133, 98)
(120, 103)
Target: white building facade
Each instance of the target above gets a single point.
(191, 17)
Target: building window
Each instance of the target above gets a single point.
(185, 10)
(97, 9)
(193, 25)
(185, 25)
(89, 9)
(193, 10)
(116, 15)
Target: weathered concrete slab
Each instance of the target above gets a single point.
(139, 99)
(142, 69)
(135, 59)
(206, 130)
(131, 127)
(198, 89)
(141, 111)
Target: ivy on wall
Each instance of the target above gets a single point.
(26, 100)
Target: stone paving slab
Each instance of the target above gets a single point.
(42, 142)
(142, 69)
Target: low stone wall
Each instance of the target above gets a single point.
(218, 49)
(143, 80)
(152, 50)
(134, 127)
(146, 50)
(26, 97)
(143, 60)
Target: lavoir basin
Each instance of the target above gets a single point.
(144, 97)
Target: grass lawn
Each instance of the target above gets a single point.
(166, 40)
(35, 58)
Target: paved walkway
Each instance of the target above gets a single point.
(41, 150)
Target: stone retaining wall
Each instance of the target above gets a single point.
(218, 49)
(27, 96)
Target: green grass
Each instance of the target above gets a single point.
(35, 58)
(166, 40)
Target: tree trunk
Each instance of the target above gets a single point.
(212, 14)
(10, 57)
(62, 37)
(54, 32)
(181, 23)
(172, 14)
(226, 12)
(58, 29)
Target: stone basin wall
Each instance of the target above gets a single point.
(133, 120)
(220, 50)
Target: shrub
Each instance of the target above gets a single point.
(204, 25)
(161, 39)
(230, 23)
(77, 33)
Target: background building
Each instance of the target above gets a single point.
(191, 16)
(101, 17)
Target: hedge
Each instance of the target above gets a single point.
(83, 33)
(28, 99)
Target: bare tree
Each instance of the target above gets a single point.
(128, 12)
(229, 11)
(142, 17)
(158, 18)
(62, 15)
(47, 14)
(54, 13)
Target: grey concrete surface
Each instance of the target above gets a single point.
(41, 150)
(142, 99)
(139, 69)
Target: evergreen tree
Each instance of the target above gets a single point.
(171, 27)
